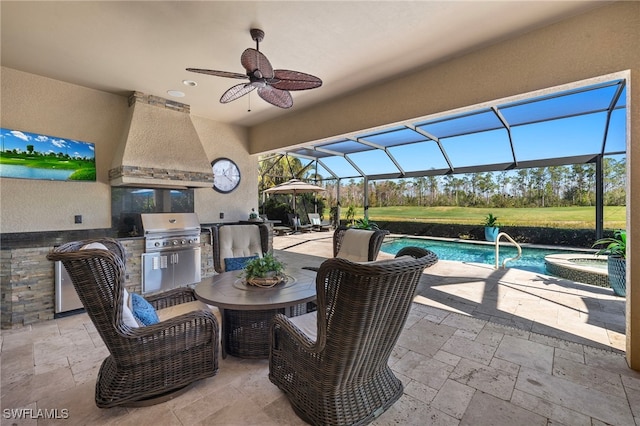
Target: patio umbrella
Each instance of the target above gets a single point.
(295, 187)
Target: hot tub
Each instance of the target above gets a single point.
(585, 268)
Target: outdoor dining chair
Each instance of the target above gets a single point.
(332, 364)
(147, 364)
(233, 245)
(358, 245)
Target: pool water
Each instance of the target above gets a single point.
(594, 263)
(532, 258)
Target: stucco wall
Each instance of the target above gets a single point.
(42, 105)
(221, 140)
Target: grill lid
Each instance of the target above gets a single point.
(163, 223)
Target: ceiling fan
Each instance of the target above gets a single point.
(273, 85)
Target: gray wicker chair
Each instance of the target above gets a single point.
(146, 364)
(375, 241)
(263, 230)
(333, 364)
(369, 253)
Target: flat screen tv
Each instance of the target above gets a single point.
(27, 155)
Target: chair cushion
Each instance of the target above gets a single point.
(94, 246)
(237, 263)
(308, 324)
(127, 316)
(315, 221)
(239, 241)
(183, 308)
(355, 245)
(143, 311)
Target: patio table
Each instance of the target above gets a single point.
(247, 310)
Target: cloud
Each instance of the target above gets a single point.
(18, 134)
(42, 138)
(60, 143)
(92, 148)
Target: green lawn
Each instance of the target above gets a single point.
(46, 162)
(555, 217)
(84, 169)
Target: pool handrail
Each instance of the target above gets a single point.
(504, 234)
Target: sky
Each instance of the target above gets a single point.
(563, 124)
(15, 139)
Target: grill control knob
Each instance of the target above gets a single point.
(183, 242)
(190, 241)
(175, 242)
(157, 244)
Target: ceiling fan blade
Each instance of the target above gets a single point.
(235, 92)
(218, 73)
(294, 80)
(252, 60)
(277, 97)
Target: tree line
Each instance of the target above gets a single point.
(555, 186)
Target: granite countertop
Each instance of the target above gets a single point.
(18, 240)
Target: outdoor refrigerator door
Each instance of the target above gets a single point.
(66, 297)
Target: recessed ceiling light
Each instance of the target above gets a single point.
(176, 93)
(189, 83)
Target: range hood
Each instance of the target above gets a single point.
(160, 147)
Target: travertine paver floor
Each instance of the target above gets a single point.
(540, 303)
(482, 356)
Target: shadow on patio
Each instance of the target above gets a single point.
(555, 307)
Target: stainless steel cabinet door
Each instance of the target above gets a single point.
(170, 269)
(186, 267)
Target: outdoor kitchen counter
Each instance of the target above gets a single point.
(28, 279)
(53, 238)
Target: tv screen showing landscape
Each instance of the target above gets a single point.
(27, 155)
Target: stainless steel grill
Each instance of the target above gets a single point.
(172, 251)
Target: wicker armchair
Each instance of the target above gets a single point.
(342, 234)
(333, 364)
(356, 245)
(148, 363)
(238, 241)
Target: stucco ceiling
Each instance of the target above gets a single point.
(145, 46)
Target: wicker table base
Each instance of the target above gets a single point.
(246, 333)
(247, 311)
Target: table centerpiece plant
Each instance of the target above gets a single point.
(265, 271)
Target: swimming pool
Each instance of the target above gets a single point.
(532, 258)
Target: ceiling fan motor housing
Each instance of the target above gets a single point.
(257, 35)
